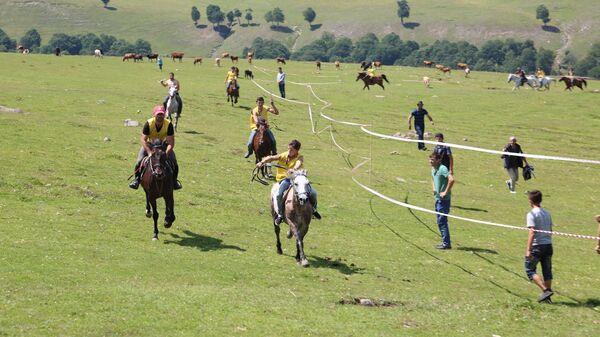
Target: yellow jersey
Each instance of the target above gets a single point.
(264, 113)
(286, 162)
(540, 74)
(231, 76)
(158, 134)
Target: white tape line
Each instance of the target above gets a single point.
(339, 147)
(325, 128)
(400, 203)
(281, 98)
(360, 164)
(312, 124)
(472, 148)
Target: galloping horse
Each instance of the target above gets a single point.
(543, 82)
(517, 80)
(157, 181)
(297, 214)
(571, 82)
(371, 80)
(173, 107)
(233, 92)
(261, 144)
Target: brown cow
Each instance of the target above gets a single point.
(462, 66)
(318, 65)
(128, 56)
(138, 57)
(337, 64)
(439, 67)
(446, 70)
(250, 59)
(377, 64)
(197, 60)
(234, 59)
(218, 62)
(281, 60)
(152, 56)
(224, 55)
(428, 63)
(250, 54)
(177, 55)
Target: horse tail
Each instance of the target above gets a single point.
(385, 78)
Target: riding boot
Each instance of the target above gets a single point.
(176, 183)
(250, 150)
(135, 183)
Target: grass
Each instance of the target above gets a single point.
(77, 258)
(168, 25)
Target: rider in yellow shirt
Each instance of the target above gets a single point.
(371, 70)
(231, 75)
(540, 73)
(289, 160)
(261, 111)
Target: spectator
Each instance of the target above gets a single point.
(441, 184)
(445, 152)
(512, 163)
(281, 82)
(419, 114)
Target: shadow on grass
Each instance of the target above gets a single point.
(411, 25)
(315, 26)
(201, 26)
(426, 252)
(203, 243)
(470, 209)
(419, 219)
(244, 107)
(478, 250)
(250, 25)
(192, 132)
(319, 262)
(282, 29)
(551, 29)
(588, 303)
(110, 8)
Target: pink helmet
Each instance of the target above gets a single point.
(159, 109)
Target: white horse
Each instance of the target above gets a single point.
(531, 81)
(98, 53)
(543, 82)
(173, 106)
(297, 213)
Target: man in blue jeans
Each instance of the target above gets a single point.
(419, 114)
(441, 184)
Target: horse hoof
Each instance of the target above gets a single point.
(148, 214)
(289, 234)
(279, 251)
(304, 263)
(155, 238)
(168, 224)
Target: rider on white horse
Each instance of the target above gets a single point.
(172, 83)
(287, 162)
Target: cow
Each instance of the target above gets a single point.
(462, 66)
(250, 54)
(426, 81)
(318, 65)
(152, 56)
(197, 60)
(280, 60)
(234, 59)
(177, 55)
(428, 63)
(138, 57)
(218, 62)
(224, 55)
(250, 59)
(439, 67)
(128, 56)
(248, 74)
(337, 64)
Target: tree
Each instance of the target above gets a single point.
(214, 14)
(195, 15)
(248, 17)
(31, 39)
(89, 43)
(309, 15)
(105, 2)
(238, 14)
(230, 18)
(278, 16)
(142, 47)
(269, 17)
(6, 41)
(403, 10)
(545, 59)
(542, 13)
(70, 44)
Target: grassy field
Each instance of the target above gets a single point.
(474, 21)
(76, 256)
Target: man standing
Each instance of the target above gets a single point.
(159, 62)
(445, 152)
(172, 83)
(441, 184)
(281, 82)
(539, 246)
(419, 114)
(512, 163)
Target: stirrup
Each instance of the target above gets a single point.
(134, 184)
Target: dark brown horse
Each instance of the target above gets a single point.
(261, 144)
(371, 80)
(157, 181)
(233, 92)
(571, 82)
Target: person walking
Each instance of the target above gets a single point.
(445, 152)
(281, 82)
(539, 246)
(419, 114)
(441, 186)
(512, 163)
(159, 62)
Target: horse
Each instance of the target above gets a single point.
(517, 79)
(571, 82)
(173, 107)
(218, 62)
(543, 82)
(337, 64)
(98, 53)
(368, 80)
(128, 56)
(250, 59)
(197, 60)
(318, 65)
(157, 181)
(177, 55)
(440, 67)
(297, 213)
(153, 56)
(280, 60)
(261, 145)
(248, 74)
(428, 63)
(233, 92)
(234, 59)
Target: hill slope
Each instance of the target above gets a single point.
(168, 25)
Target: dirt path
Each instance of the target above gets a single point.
(297, 30)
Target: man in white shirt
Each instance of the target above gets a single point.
(281, 82)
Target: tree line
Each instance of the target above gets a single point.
(216, 16)
(80, 44)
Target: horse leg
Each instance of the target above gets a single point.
(155, 218)
(277, 230)
(300, 257)
(169, 211)
(381, 85)
(148, 212)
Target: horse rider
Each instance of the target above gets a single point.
(289, 160)
(261, 111)
(231, 75)
(172, 83)
(371, 70)
(521, 75)
(540, 73)
(155, 128)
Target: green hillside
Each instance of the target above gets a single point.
(168, 26)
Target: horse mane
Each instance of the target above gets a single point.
(298, 172)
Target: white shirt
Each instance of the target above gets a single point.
(280, 77)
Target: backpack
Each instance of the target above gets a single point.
(528, 172)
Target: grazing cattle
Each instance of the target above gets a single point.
(571, 82)
(462, 66)
(248, 74)
(428, 63)
(439, 67)
(98, 53)
(234, 59)
(250, 54)
(337, 64)
(426, 81)
(467, 71)
(218, 62)
(57, 51)
(224, 55)
(250, 59)
(177, 55)
(138, 57)
(197, 60)
(152, 56)
(25, 51)
(446, 70)
(318, 65)
(280, 60)
(128, 56)
(377, 64)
